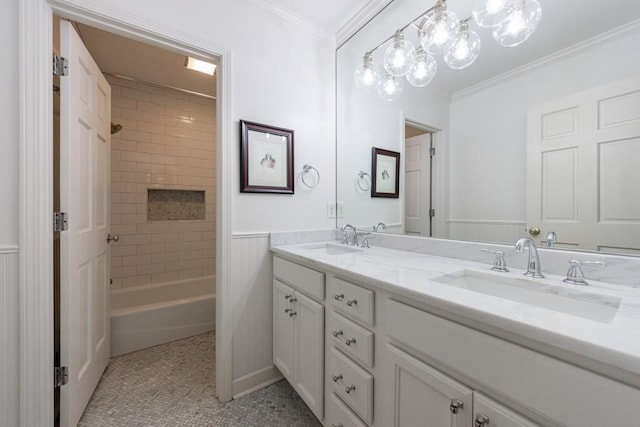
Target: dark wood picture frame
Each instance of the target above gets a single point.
(266, 159)
(385, 181)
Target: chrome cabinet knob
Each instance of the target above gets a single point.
(338, 297)
(112, 237)
(350, 341)
(336, 378)
(293, 313)
(337, 334)
(287, 296)
(455, 406)
(349, 389)
(481, 420)
(352, 302)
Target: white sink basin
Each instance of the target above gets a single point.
(333, 249)
(572, 301)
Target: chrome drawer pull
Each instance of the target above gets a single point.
(293, 299)
(455, 406)
(349, 389)
(352, 302)
(336, 378)
(287, 310)
(293, 313)
(287, 296)
(337, 334)
(338, 297)
(350, 341)
(482, 420)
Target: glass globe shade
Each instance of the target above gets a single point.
(464, 51)
(522, 22)
(399, 56)
(423, 69)
(390, 87)
(489, 13)
(440, 31)
(367, 75)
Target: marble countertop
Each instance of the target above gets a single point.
(610, 346)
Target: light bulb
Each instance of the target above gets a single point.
(489, 13)
(390, 87)
(522, 22)
(399, 56)
(367, 76)
(440, 31)
(423, 70)
(465, 50)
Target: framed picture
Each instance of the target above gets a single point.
(385, 173)
(266, 159)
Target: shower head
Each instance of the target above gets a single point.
(115, 128)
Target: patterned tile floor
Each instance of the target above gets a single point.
(174, 385)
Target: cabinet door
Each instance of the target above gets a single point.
(309, 332)
(424, 396)
(283, 330)
(489, 413)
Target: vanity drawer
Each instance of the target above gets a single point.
(354, 301)
(351, 383)
(309, 281)
(351, 338)
(339, 415)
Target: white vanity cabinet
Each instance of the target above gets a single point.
(298, 330)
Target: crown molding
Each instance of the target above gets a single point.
(359, 20)
(561, 54)
(275, 11)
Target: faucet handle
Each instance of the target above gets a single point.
(575, 276)
(499, 263)
(364, 243)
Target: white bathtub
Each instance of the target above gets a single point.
(150, 315)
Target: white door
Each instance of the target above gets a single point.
(417, 187)
(583, 153)
(423, 396)
(489, 413)
(283, 332)
(85, 153)
(309, 343)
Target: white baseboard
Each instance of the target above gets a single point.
(255, 381)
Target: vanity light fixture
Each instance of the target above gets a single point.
(198, 65)
(440, 31)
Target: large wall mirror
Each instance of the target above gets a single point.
(507, 132)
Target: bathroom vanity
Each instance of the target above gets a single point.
(386, 337)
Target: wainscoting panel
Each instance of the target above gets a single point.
(487, 230)
(9, 347)
(252, 313)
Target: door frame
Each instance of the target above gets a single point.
(36, 189)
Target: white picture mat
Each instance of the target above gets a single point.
(385, 183)
(263, 147)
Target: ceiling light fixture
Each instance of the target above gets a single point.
(440, 31)
(200, 66)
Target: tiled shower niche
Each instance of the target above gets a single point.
(175, 205)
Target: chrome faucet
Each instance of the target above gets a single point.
(533, 265)
(552, 239)
(379, 226)
(349, 227)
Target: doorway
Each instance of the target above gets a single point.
(418, 199)
(163, 141)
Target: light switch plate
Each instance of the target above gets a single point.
(331, 209)
(340, 210)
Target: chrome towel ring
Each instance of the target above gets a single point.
(364, 181)
(306, 169)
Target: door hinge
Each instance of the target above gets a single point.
(60, 376)
(60, 66)
(60, 221)
(432, 213)
(432, 151)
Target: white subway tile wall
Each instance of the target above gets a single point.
(167, 141)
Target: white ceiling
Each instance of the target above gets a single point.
(564, 23)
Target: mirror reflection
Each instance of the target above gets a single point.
(541, 139)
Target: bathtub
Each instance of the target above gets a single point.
(149, 315)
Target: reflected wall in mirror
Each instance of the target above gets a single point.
(476, 120)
